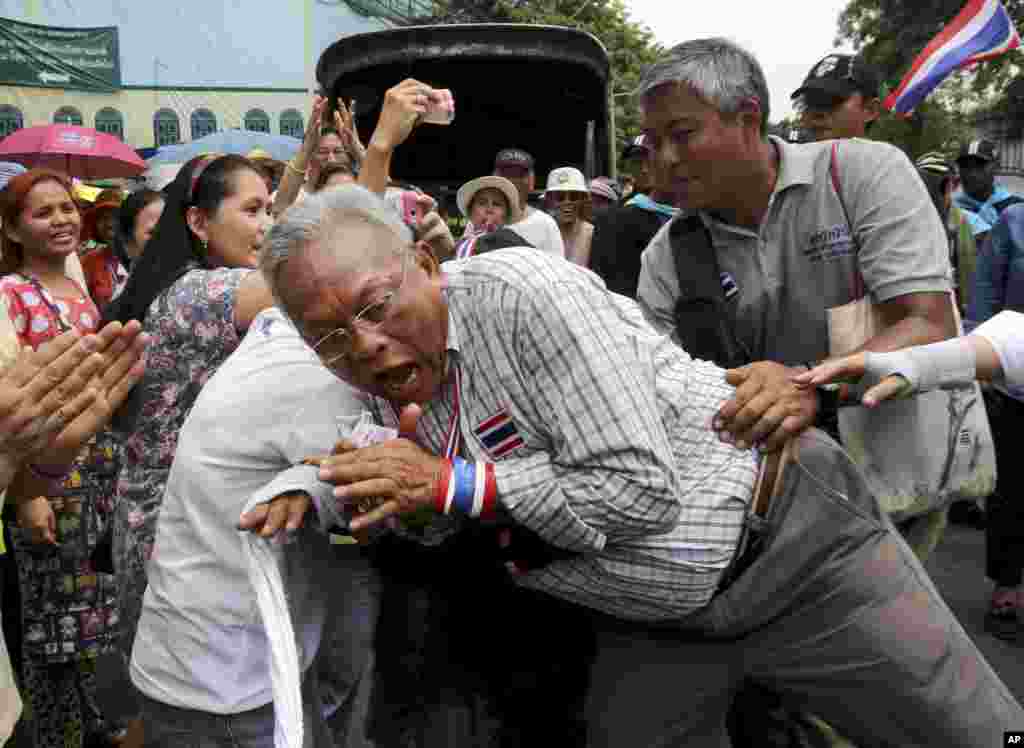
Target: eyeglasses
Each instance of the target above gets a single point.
(335, 348)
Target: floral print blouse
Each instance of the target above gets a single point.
(193, 331)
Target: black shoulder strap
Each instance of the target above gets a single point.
(1007, 202)
(704, 324)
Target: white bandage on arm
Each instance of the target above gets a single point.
(1005, 332)
(947, 364)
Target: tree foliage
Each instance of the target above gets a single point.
(891, 33)
(631, 46)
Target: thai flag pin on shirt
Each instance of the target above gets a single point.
(499, 434)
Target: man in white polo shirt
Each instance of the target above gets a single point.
(536, 226)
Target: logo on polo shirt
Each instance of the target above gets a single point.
(729, 287)
(829, 244)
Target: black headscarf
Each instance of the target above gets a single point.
(173, 248)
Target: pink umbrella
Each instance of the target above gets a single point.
(77, 151)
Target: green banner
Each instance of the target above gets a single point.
(78, 59)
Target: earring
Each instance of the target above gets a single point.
(205, 245)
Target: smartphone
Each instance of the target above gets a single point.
(440, 107)
(412, 209)
(406, 204)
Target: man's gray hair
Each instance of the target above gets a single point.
(319, 220)
(719, 71)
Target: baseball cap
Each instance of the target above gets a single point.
(983, 149)
(842, 76)
(567, 179)
(513, 157)
(636, 147)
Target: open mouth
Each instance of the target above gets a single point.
(398, 379)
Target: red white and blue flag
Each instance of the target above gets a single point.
(981, 31)
(499, 434)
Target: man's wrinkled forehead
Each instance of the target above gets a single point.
(344, 254)
(672, 101)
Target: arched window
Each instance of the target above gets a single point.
(11, 119)
(67, 115)
(111, 122)
(166, 128)
(291, 123)
(257, 121)
(204, 123)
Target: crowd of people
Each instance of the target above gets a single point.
(288, 463)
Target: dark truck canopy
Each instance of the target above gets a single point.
(515, 86)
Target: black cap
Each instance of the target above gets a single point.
(637, 147)
(513, 157)
(981, 149)
(842, 76)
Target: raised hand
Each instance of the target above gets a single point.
(56, 398)
(311, 139)
(344, 123)
(404, 104)
(123, 349)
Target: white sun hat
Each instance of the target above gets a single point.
(567, 179)
(464, 197)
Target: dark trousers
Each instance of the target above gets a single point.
(1004, 533)
(463, 657)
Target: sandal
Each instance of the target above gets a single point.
(1003, 621)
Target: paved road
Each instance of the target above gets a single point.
(958, 568)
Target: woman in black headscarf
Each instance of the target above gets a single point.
(196, 291)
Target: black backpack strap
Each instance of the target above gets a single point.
(704, 323)
(1006, 203)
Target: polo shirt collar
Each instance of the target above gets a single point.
(796, 164)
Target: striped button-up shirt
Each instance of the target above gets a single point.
(599, 428)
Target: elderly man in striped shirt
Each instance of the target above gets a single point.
(530, 394)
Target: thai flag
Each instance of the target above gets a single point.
(981, 31)
(499, 434)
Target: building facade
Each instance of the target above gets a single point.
(180, 70)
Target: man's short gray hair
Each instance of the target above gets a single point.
(320, 220)
(719, 71)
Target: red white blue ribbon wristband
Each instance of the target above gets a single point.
(466, 488)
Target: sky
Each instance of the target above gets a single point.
(787, 38)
